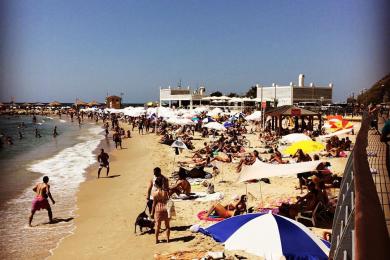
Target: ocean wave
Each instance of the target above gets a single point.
(66, 171)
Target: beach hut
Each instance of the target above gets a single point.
(93, 103)
(114, 102)
(54, 104)
(80, 103)
(299, 116)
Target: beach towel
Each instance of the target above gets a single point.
(199, 196)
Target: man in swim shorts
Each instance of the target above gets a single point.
(40, 201)
(103, 162)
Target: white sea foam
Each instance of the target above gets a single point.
(68, 166)
(66, 171)
(62, 121)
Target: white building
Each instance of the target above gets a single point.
(293, 94)
(182, 96)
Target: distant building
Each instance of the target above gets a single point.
(113, 102)
(182, 96)
(292, 94)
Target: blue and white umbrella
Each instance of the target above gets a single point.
(208, 120)
(228, 124)
(270, 236)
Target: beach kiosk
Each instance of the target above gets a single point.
(113, 102)
(300, 118)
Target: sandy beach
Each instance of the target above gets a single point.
(108, 207)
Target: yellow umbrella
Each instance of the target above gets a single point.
(307, 146)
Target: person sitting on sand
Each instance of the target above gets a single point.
(248, 160)
(40, 201)
(159, 208)
(305, 203)
(182, 186)
(232, 209)
(301, 156)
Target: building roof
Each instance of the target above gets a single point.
(286, 111)
(111, 97)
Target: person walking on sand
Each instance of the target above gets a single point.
(152, 188)
(40, 201)
(103, 162)
(159, 209)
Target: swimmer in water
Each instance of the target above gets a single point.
(55, 133)
(37, 134)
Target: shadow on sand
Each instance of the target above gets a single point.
(111, 176)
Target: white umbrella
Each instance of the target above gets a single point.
(215, 112)
(179, 144)
(255, 116)
(215, 125)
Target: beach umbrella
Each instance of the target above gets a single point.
(54, 104)
(307, 146)
(79, 102)
(228, 124)
(208, 120)
(269, 236)
(179, 144)
(340, 125)
(292, 138)
(255, 116)
(215, 125)
(93, 103)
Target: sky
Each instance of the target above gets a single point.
(63, 50)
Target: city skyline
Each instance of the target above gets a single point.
(63, 50)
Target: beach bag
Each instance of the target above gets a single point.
(171, 209)
(210, 188)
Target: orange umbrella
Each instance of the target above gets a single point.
(340, 125)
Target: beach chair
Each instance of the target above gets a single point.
(310, 214)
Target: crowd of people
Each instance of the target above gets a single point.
(230, 146)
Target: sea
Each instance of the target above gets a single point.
(64, 159)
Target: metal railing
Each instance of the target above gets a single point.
(359, 228)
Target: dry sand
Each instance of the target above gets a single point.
(108, 207)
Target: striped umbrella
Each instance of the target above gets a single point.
(270, 236)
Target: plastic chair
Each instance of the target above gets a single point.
(309, 215)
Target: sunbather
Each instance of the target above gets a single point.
(232, 209)
(182, 186)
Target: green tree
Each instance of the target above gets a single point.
(216, 94)
(252, 92)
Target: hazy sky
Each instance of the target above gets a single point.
(60, 50)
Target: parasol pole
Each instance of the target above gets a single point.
(261, 196)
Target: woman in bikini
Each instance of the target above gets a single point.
(159, 208)
(230, 210)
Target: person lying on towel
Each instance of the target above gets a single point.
(232, 209)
